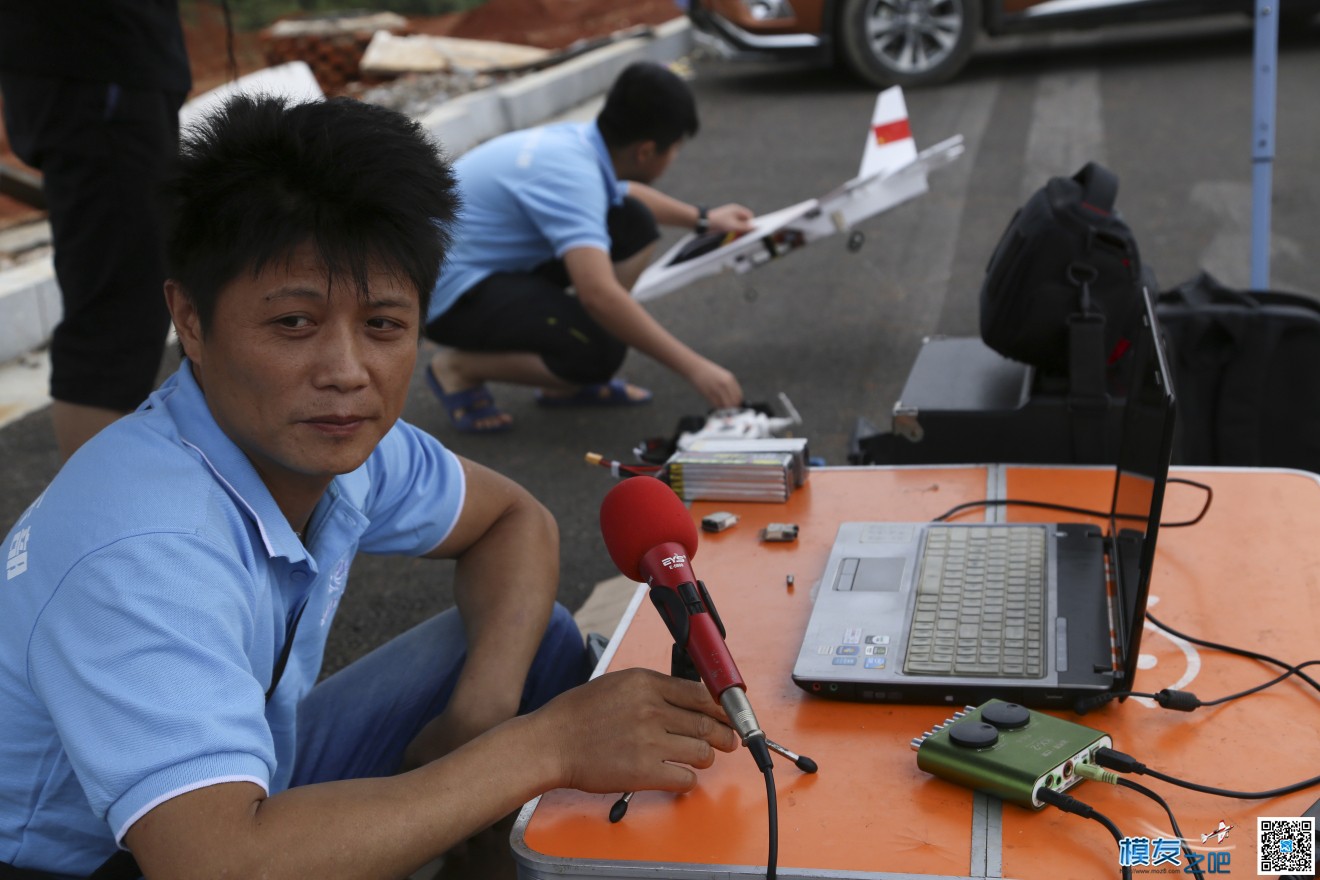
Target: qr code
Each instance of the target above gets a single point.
(1285, 846)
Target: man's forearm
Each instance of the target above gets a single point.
(668, 210)
(610, 305)
(362, 828)
(504, 588)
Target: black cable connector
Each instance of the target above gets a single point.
(1123, 763)
(1070, 804)
(1065, 802)
(1119, 762)
(1182, 701)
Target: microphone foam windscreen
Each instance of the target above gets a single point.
(638, 514)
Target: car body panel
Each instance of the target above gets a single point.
(812, 29)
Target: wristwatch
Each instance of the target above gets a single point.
(703, 220)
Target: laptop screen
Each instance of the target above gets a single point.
(1142, 471)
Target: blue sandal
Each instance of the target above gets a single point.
(611, 393)
(469, 407)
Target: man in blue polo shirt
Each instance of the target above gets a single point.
(166, 600)
(558, 223)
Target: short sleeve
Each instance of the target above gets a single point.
(568, 216)
(140, 657)
(416, 493)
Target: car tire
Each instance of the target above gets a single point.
(907, 42)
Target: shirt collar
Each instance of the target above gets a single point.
(182, 398)
(591, 132)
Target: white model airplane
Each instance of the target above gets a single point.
(741, 424)
(892, 172)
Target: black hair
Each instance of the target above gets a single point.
(260, 177)
(648, 102)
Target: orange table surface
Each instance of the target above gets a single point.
(1246, 576)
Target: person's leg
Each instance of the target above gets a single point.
(456, 368)
(633, 235)
(630, 269)
(357, 722)
(522, 328)
(529, 329)
(103, 151)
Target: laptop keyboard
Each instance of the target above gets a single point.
(980, 607)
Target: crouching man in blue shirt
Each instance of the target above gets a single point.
(166, 601)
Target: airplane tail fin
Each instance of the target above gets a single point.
(889, 144)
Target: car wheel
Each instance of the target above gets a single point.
(907, 42)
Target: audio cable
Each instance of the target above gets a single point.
(1186, 701)
(760, 749)
(1125, 763)
(952, 512)
(1099, 774)
(1070, 804)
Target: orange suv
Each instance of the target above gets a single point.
(914, 42)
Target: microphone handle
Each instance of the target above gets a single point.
(741, 717)
(686, 608)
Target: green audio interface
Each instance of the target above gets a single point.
(1008, 751)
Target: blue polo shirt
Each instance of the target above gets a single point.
(529, 197)
(146, 597)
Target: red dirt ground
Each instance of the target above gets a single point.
(548, 24)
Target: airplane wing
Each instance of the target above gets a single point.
(891, 172)
(697, 256)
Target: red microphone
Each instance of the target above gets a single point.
(651, 538)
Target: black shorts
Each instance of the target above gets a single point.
(534, 312)
(103, 151)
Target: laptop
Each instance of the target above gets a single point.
(1040, 614)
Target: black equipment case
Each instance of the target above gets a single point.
(965, 403)
(1246, 365)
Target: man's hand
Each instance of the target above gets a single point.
(632, 730)
(730, 218)
(716, 384)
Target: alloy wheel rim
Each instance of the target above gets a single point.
(913, 36)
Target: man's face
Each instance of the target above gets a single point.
(306, 378)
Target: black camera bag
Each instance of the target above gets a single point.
(1066, 257)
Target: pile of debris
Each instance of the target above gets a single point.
(352, 52)
(331, 45)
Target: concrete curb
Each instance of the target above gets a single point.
(29, 307)
(468, 120)
(29, 296)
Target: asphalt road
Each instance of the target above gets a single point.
(1167, 108)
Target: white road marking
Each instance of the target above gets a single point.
(1067, 129)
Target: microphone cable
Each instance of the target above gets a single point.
(761, 752)
(1070, 804)
(958, 509)
(1098, 774)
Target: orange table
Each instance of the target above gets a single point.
(1247, 575)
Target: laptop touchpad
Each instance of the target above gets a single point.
(877, 575)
